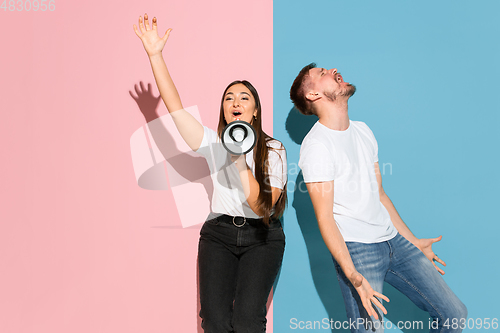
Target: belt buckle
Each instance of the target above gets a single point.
(240, 225)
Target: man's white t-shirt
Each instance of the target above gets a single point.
(348, 158)
(228, 196)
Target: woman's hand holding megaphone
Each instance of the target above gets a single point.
(240, 162)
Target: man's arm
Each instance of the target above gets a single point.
(321, 194)
(424, 244)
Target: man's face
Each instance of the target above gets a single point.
(330, 83)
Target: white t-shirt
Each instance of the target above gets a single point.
(348, 158)
(228, 196)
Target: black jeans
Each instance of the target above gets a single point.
(237, 267)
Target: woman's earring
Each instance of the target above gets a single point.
(255, 117)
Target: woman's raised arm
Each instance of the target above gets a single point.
(189, 128)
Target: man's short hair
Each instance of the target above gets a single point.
(298, 91)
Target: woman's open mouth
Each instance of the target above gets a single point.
(236, 113)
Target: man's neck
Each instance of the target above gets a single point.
(334, 115)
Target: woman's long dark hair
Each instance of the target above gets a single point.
(260, 157)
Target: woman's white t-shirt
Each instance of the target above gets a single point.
(228, 196)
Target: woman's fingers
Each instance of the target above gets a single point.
(141, 25)
(145, 27)
(137, 31)
(155, 25)
(146, 22)
(155, 28)
(165, 37)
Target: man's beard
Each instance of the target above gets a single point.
(346, 92)
(349, 91)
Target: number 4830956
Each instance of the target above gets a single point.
(27, 5)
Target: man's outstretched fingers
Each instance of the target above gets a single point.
(379, 295)
(379, 305)
(438, 269)
(437, 239)
(369, 309)
(436, 258)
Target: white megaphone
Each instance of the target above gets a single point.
(239, 137)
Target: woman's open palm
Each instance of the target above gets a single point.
(149, 36)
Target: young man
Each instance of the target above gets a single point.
(368, 240)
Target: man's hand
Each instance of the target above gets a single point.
(368, 295)
(321, 194)
(425, 245)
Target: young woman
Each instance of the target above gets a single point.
(241, 243)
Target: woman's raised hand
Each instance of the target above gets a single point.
(149, 36)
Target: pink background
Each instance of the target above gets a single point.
(82, 247)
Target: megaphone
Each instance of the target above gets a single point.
(239, 137)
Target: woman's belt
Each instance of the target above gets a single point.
(240, 221)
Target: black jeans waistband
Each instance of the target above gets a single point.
(240, 221)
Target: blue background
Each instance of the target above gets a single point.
(426, 74)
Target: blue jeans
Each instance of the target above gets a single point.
(405, 267)
(237, 267)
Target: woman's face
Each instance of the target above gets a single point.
(239, 104)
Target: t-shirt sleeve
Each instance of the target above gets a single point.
(369, 134)
(209, 137)
(316, 162)
(375, 145)
(277, 165)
